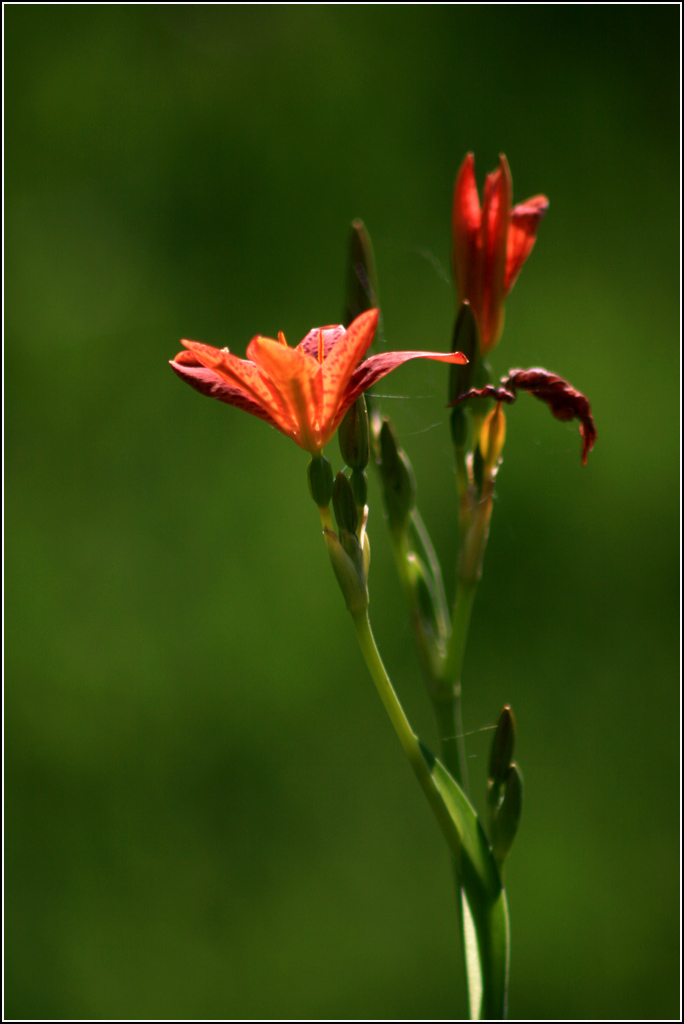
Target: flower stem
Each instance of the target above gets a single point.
(400, 722)
(410, 743)
(446, 699)
(397, 715)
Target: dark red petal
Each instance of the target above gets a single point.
(564, 401)
(210, 384)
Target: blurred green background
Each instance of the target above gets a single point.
(207, 812)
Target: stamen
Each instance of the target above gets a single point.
(321, 346)
(281, 338)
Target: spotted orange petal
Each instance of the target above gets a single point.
(343, 359)
(210, 384)
(294, 379)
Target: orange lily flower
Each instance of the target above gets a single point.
(490, 243)
(305, 391)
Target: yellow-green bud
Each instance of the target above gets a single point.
(492, 437)
(348, 568)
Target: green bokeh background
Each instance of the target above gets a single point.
(207, 813)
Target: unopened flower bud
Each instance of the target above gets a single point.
(399, 485)
(465, 340)
(320, 477)
(366, 555)
(507, 817)
(492, 437)
(348, 568)
(354, 435)
(359, 485)
(344, 504)
(503, 744)
(362, 285)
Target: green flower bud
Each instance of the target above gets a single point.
(362, 284)
(459, 426)
(359, 485)
(465, 340)
(507, 817)
(320, 477)
(503, 744)
(344, 503)
(354, 435)
(399, 485)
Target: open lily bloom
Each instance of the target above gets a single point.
(490, 243)
(305, 391)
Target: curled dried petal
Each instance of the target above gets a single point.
(489, 391)
(565, 402)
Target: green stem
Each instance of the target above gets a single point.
(397, 715)
(447, 707)
(460, 621)
(446, 695)
(407, 737)
(482, 934)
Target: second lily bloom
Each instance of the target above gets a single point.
(490, 243)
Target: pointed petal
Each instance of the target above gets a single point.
(210, 384)
(496, 216)
(238, 372)
(295, 380)
(466, 219)
(344, 357)
(378, 366)
(525, 220)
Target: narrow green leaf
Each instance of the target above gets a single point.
(470, 832)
